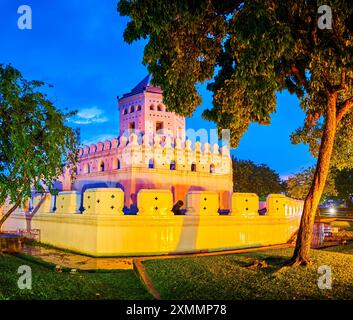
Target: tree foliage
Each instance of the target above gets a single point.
(256, 48)
(254, 178)
(344, 185)
(298, 185)
(34, 140)
(252, 49)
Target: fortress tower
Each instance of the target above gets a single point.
(142, 110)
(151, 153)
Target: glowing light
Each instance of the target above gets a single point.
(332, 210)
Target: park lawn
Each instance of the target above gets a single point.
(347, 248)
(51, 285)
(228, 277)
(342, 224)
(210, 277)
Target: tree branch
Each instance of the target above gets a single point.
(343, 84)
(328, 84)
(343, 109)
(299, 75)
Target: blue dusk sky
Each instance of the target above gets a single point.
(78, 47)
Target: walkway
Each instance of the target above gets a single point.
(76, 261)
(72, 260)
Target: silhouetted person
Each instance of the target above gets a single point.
(177, 207)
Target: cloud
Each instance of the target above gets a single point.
(89, 116)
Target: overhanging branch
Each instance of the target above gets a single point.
(343, 109)
(343, 84)
(299, 75)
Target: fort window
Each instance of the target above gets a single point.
(172, 165)
(159, 126)
(116, 164)
(159, 108)
(212, 168)
(132, 125)
(150, 164)
(87, 168)
(193, 167)
(138, 108)
(124, 111)
(132, 109)
(179, 132)
(101, 166)
(152, 107)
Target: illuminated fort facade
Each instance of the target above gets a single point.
(152, 152)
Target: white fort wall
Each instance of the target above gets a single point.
(138, 163)
(103, 229)
(137, 151)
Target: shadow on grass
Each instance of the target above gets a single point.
(266, 264)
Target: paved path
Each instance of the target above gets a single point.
(77, 261)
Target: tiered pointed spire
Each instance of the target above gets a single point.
(144, 86)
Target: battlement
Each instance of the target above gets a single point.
(104, 230)
(161, 153)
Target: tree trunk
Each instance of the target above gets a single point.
(16, 205)
(301, 254)
(29, 217)
(8, 213)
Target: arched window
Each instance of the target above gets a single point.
(116, 164)
(101, 166)
(138, 108)
(172, 165)
(124, 111)
(193, 167)
(87, 168)
(132, 109)
(151, 107)
(150, 164)
(212, 168)
(159, 107)
(159, 127)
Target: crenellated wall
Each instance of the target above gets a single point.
(136, 163)
(139, 151)
(103, 230)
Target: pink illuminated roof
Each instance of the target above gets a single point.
(144, 86)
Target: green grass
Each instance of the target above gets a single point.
(347, 248)
(214, 277)
(227, 277)
(342, 224)
(51, 285)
